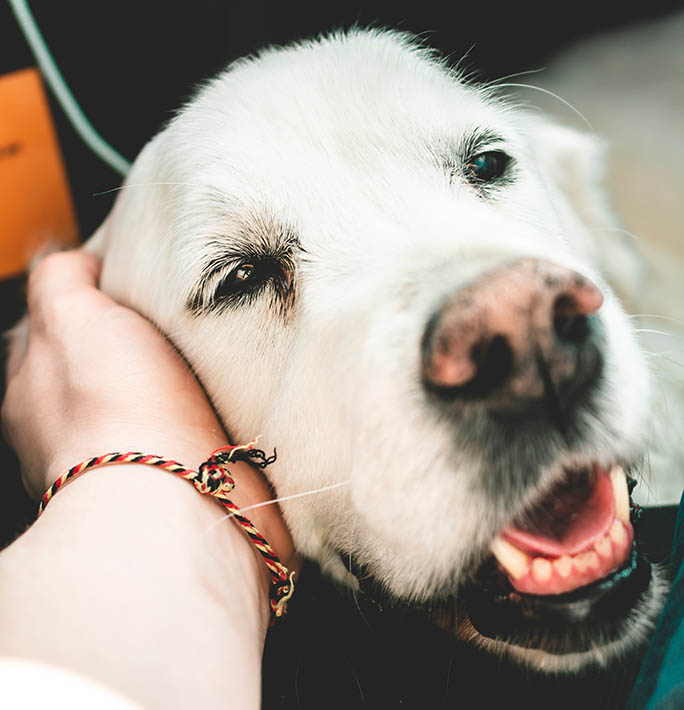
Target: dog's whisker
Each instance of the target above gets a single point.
(358, 684)
(651, 330)
(635, 237)
(549, 93)
(669, 359)
(495, 82)
(647, 475)
(466, 76)
(296, 682)
(448, 679)
(354, 592)
(655, 315)
(141, 184)
(355, 597)
(264, 503)
(358, 608)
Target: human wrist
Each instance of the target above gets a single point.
(250, 493)
(132, 557)
(140, 500)
(189, 447)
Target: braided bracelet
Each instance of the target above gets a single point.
(212, 479)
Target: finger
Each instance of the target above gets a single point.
(60, 273)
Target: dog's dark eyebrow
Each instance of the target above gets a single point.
(256, 241)
(453, 153)
(478, 141)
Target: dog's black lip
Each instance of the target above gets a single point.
(514, 617)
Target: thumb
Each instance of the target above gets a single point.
(60, 273)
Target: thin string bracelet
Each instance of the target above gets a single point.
(213, 479)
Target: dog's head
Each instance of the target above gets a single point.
(396, 278)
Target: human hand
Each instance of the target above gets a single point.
(95, 377)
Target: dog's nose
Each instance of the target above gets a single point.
(519, 332)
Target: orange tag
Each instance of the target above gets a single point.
(35, 202)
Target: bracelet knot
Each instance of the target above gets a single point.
(213, 478)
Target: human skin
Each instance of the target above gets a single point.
(130, 576)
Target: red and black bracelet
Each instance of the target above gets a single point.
(212, 479)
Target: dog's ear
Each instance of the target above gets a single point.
(575, 164)
(133, 240)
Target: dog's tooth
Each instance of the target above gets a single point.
(513, 560)
(604, 548)
(541, 569)
(618, 534)
(563, 566)
(621, 493)
(590, 562)
(581, 563)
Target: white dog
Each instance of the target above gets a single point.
(396, 279)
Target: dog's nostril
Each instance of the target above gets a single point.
(493, 360)
(569, 325)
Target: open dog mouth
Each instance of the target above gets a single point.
(567, 572)
(562, 581)
(576, 535)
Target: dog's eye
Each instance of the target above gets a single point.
(239, 279)
(247, 280)
(243, 273)
(486, 167)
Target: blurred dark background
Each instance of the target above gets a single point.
(130, 63)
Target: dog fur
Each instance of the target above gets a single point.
(341, 162)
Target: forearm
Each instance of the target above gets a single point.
(126, 578)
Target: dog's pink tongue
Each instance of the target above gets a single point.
(581, 528)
